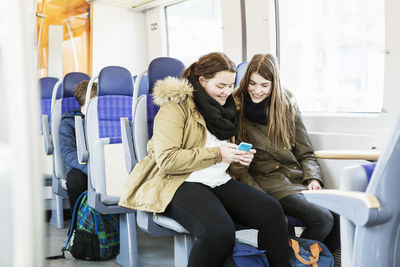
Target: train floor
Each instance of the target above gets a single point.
(153, 252)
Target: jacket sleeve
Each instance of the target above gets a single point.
(241, 173)
(304, 152)
(170, 156)
(68, 146)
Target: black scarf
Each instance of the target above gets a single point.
(221, 121)
(255, 112)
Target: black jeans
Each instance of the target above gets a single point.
(76, 185)
(322, 225)
(209, 213)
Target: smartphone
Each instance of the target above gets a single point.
(244, 146)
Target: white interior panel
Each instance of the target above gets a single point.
(260, 15)
(56, 38)
(119, 38)
(115, 169)
(156, 34)
(232, 29)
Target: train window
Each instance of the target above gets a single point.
(332, 54)
(194, 28)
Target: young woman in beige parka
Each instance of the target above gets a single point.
(184, 175)
(284, 164)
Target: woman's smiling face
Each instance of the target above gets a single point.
(259, 88)
(220, 86)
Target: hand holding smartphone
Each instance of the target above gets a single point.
(244, 146)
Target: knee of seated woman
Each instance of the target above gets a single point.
(324, 220)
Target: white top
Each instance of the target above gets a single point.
(214, 175)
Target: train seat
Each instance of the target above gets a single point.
(369, 209)
(67, 102)
(46, 86)
(354, 178)
(99, 144)
(142, 83)
(241, 70)
(143, 119)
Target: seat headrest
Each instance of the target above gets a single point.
(46, 87)
(71, 80)
(163, 67)
(114, 80)
(241, 70)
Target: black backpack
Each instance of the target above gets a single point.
(95, 235)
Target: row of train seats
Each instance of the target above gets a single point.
(103, 146)
(114, 99)
(371, 216)
(370, 228)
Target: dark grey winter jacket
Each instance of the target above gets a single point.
(68, 141)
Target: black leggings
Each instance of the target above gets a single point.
(208, 214)
(322, 225)
(76, 185)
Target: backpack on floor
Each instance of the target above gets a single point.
(95, 235)
(245, 255)
(307, 252)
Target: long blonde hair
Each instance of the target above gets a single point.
(280, 107)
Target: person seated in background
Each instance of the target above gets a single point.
(76, 172)
(184, 175)
(284, 164)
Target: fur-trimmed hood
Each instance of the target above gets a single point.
(172, 89)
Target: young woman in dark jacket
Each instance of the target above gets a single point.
(284, 164)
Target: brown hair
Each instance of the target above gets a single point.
(209, 64)
(80, 91)
(280, 107)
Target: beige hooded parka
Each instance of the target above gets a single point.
(175, 150)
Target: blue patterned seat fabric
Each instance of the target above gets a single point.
(115, 95)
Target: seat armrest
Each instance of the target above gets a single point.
(349, 154)
(48, 144)
(145, 223)
(127, 144)
(169, 223)
(81, 141)
(360, 208)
